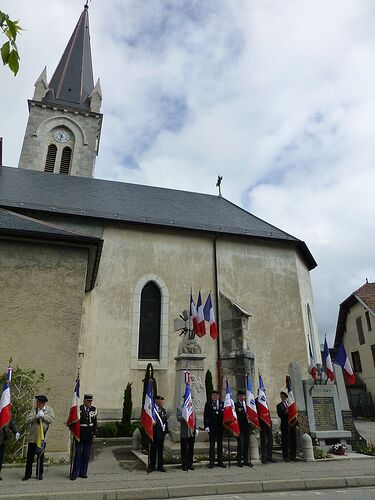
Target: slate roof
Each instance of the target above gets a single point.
(133, 203)
(366, 295)
(18, 226)
(73, 81)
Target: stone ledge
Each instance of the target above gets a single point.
(325, 483)
(283, 485)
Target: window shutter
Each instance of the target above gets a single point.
(65, 161)
(51, 157)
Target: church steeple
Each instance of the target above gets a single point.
(63, 131)
(72, 82)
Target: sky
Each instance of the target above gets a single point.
(277, 97)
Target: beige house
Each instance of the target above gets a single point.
(356, 329)
(93, 273)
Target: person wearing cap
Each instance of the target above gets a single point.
(243, 438)
(160, 431)
(213, 424)
(288, 433)
(42, 413)
(88, 428)
(4, 432)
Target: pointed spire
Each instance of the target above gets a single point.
(96, 98)
(72, 82)
(41, 86)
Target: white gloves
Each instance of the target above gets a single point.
(207, 429)
(40, 414)
(17, 436)
(196, 432)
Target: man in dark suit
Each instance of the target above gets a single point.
(88, 429)
(266, 439)
(4, 432)
(243, 438)
(288, 433)
(213, 423)
(160, 431)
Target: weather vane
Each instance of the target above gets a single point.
(218, 183)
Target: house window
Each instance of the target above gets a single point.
(357, 367)
(149, 325)
(50, 159)
(361, 336)
(368, 321)
(65, 160)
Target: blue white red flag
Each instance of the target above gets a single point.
(327, 362)
(148, 412)
(5, 405)
(251, 407)
(230, 416)
(188, 409)
(312, 365)
(193, 323)
(292, 406)
(201, 326)
(343, 360)
(73, 419)
(209, 316)
(262, 407)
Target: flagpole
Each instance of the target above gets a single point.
(148, 456)
(229, 449)
(71, 455)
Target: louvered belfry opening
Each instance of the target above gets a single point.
(51, 158)
(65, 160)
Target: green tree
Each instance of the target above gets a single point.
(9, 51)
(125, 426)
(209, 385)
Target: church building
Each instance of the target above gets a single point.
(93, 273)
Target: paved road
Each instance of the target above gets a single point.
(350, 494)
(366, 429)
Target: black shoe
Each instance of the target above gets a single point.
(294, 459)
(191, 467)
(210, 465)
(151, 469)
(264, 461)
(239, 464)
(26, 478)
(223, 466)
(1, 478)
(248, 464)
(272, 461)
(161, 469)
(184, 468)
(73, 478)
(82, 476)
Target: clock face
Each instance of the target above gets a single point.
(61, 135)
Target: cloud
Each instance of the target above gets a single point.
(275, 96)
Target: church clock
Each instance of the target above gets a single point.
(61, 135)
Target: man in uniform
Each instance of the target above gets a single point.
(160, 431)
(288, 433)
(42, 413)
(187, 439)
(88, 428)
(213, 424)
(266, 438)
(4, 431)
(243, 438)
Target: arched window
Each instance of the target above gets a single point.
(65, 160)
(149, 325)
(51, 157)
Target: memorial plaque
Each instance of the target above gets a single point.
(324, 414)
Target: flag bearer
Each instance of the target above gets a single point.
(160, 431)
(213, 423)
(243, 438)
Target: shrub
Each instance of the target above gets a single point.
(209, 385)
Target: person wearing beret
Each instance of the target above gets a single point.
(88, 429)
(42, 413)
(288, 433)
(213, 424)
(160, 431)
(243, 438)
(4, 432)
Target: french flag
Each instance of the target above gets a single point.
(187, 406)
(312, 365)
(201, 326)
(292, 406)
(193, 322)
(251, 407)
(148, 412)
(343, 360)
(5, 406)
(263, 411)
(208, 312)
(327, 362)
(73, 420)
(230, 416)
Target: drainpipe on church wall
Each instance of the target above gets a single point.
(217, 314)
(1, 151)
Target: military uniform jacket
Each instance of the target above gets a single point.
(5, 431)
(161, 423)
(213, 415)
(186, 432)
(282, 411)
(88, 422)
(47, 419)
(241, 415)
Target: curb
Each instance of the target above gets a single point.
(161, 492)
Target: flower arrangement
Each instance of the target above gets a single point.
(338, 449)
